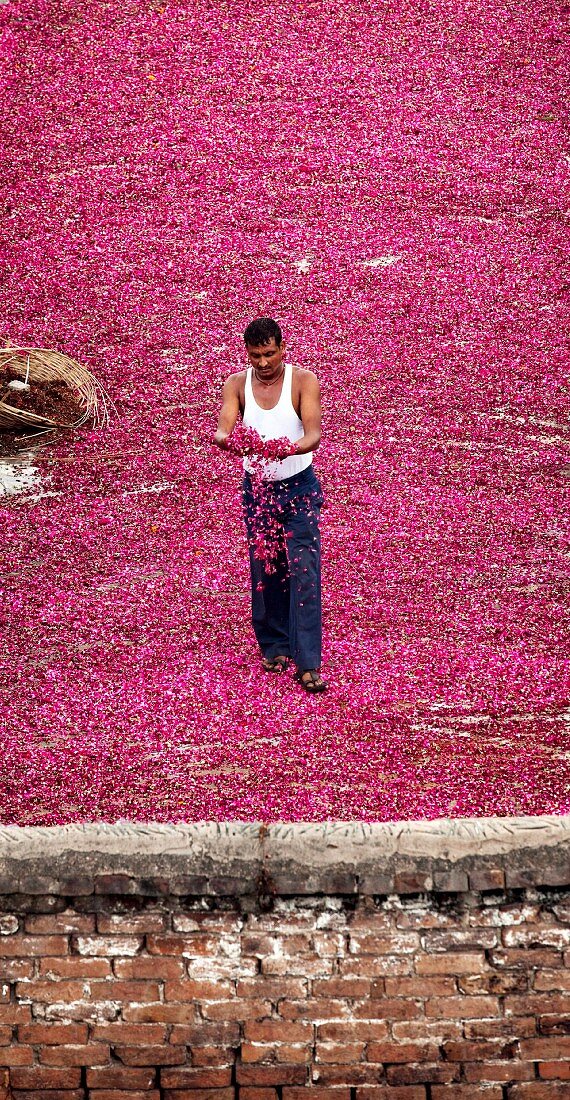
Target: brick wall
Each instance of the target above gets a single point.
(130, 990)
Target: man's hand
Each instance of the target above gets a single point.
(221, 440)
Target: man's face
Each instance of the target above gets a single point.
(266, 359)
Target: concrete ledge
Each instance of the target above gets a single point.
(228, 859)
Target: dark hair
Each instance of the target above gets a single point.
(262, 331)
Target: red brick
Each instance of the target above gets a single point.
(159, 969)
(5, 1038)
(467, 939)
(293, 1053)
(141, 1034)
(412, 882)
(74, 967)
(236, 1010)
(199, 1094)
(487, 878)
(360, 1073)
(68, 1034)
(438, 1030)
(271, 1052)
(213, 1056)
(127, 992)
(466, 1092)
(82, 1010)
(44, 1077)
(352, 1030)
(46, 1094)
(313, 1009)
(122, 1094)
(554, 1024)
(509, 981)
(418, 987)
(202, 1034)
(193, 1077)
(151, 1055)
(499, 1071)
(545, 1049)
(498, 916)
(191, 946)
(303, 965)
(507, 958)
(106, 946)
(160, 1013)
(66, 922)
(328, 944)
(270, 1075)
(388, 1009)
(545, 980)
(477, 1052)
(401, 1052)
(349, 988)
(91, 1054)
(191, 990)
(219, 968)
(196, 920)
(316, 1094)
(421, 1074)
(49, 991)
(535, 1004)
(338, 1053)
(258, 1094)
(120, 1077)
(463, 1008)
(424, 917)
(554, 1070)
(15, 1014)
(262, 945)
(390, 1092)
(117, 884)
(539, 1090)
(16, 1056)
(13, 947)
(464, 962)
(273, 989)
(515, 1027)
(259, 1031)
(13, 970)
(375, 966)
(395, 943)
(287, 924)
(131, 923)
(536, 936)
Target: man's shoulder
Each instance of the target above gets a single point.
(305, 376)
(236, 380)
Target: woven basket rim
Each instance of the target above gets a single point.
(43, 364)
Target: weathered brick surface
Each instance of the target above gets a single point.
(124, 996)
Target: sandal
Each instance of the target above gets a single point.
(315, 684)
(274, 664)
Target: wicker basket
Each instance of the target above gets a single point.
(39, 365)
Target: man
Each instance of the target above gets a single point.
(282, 500)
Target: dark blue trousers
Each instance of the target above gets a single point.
(286, 600)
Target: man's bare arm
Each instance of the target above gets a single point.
(229, 413)
(310, 414)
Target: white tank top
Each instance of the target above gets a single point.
(277, 423)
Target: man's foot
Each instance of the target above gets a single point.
(311, 680)
(275, 664)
